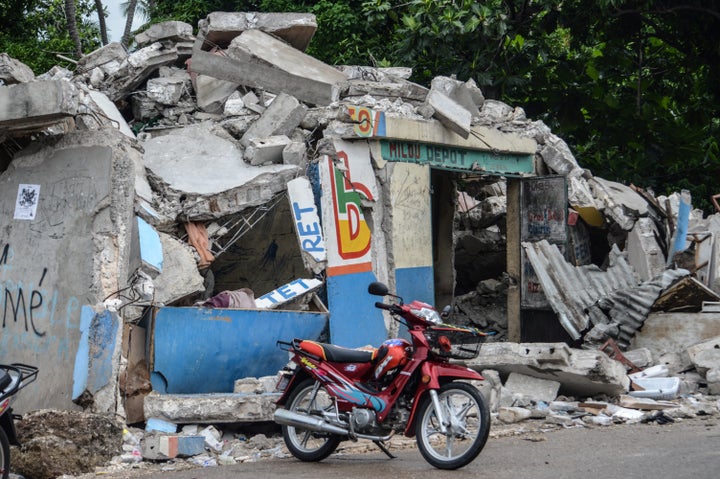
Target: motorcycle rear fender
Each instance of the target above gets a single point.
(8, 425)
(297, 377)
(439, 373)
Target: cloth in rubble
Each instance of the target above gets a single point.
(243, 298)
(198, 238)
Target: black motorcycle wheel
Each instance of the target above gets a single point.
(4, 454)
(306, 445)
(467, 419)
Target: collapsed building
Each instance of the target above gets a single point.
(172, 212)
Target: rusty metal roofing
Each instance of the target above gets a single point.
(579, 293)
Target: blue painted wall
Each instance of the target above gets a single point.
(354, 319)
(202, 350)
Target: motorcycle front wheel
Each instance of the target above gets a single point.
(4, 455)
(467, 420)
(309, 397)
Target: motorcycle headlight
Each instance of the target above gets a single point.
(427, 314)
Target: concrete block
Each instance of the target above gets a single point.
(284, 114)
(111, 54)
(211, 408)
(712, 376)
(219, 28)
(165, 90)
(14, 71)
(36, 105)
(212, 93)
(705, 355)
(172, 30)
(266, 150)
(580, 372)
(294, 154)
(450, 113)
(163, 447)
(466, 94)
(534, 388)
(262, 61)
(234, 105)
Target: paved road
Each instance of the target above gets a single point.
(690, 449)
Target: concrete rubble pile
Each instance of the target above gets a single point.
(220, 122)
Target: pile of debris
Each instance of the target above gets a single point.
(243, 92)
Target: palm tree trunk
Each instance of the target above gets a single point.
(101, 20)
(132, 4)
(72, 26)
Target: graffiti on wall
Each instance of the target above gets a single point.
(29, 310)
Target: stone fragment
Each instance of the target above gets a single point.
(284, 114)
(14, 71)
(262, 151)
(511, 415)
(173, 30)
(705, 355)
(534, 388)
(165, 90)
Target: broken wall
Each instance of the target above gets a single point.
(67, 208)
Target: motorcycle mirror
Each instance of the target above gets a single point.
(446, 311)
(377, 288)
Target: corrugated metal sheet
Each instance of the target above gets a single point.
(579, 293)
(572, 290)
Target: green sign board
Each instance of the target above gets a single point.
(449, 158)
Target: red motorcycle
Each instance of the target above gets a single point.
(331, 393)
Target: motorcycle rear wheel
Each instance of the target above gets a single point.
(304, 444)
(467, 417)
(4, 455)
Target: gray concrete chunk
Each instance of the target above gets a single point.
(219, 28)
(284, 114)
(36, 105)
(14, 71)
(261, 151)
(450, 113)
(210, 408)
(172, 30)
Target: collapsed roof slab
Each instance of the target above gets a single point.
(219, 28)
(259, 60)
(14, 71)
(211, 173)
(36, 105)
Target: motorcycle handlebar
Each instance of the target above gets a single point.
(390, 307)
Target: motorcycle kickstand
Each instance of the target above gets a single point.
(384, 449)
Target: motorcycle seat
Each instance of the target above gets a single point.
(337, 354)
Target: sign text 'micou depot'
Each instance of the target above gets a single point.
(446, 157)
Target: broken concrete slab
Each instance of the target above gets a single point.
(166, 90)
(705, 355)
(172, 30)
(258, 60)
(450, 113)
(211, 408)
(37, 105)
(619, 202)
(385, 89)
(108, 58)
(265, 151)
(281, 117)
(14, 71)
(220, 28)
(179, 277)
(466, 94)
(139, 66)
(221, 187)
(580, 372)
(531, 387)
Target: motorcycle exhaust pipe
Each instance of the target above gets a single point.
(289, 418)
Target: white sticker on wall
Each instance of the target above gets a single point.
(27, 201)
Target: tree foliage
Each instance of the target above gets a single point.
(633, 86)
(35, 31)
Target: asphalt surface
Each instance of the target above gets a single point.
(684, 449)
